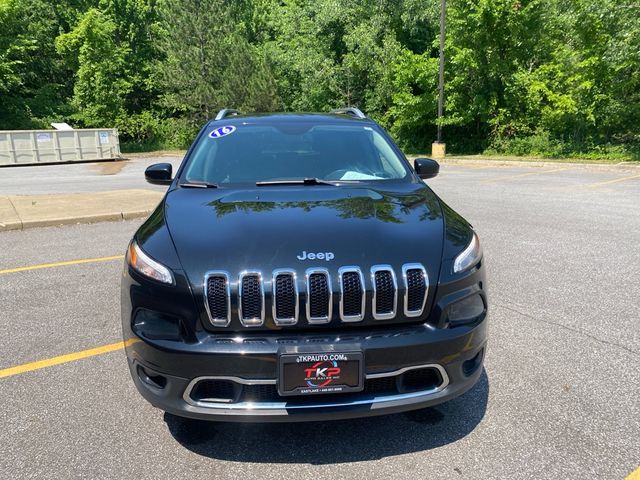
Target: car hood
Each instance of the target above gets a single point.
(272, 227)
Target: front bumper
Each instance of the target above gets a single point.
(456, 354)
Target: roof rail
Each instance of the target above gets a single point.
(353, 111)
(225, 112)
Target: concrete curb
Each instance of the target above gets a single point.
(107, 217)
(31, 211)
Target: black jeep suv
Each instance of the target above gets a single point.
(299, 269)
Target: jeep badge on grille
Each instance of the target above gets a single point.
(327, 256)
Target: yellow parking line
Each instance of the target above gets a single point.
(608, 182)
(70, 357)
(61, 264)
(635, 475)
(498, 179)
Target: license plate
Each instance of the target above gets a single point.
(317, 373)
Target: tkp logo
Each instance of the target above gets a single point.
(322, 374)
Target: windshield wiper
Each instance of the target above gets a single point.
(198, 185)
(301, 181)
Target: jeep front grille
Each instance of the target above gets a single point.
(285, 287)
(416, 284)
(385, 292)
(251, 299)
(285, 297)
(352, 300)
(319, 296)
(218, 298)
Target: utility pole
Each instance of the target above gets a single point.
(438, 148)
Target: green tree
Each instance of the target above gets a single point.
(33, 80)
(91, 51)
(522, 76)
(209, 63)
(112, 52)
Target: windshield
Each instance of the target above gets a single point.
(231, 154)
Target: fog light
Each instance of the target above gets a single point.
(466, 310)
(155, 380)
(156, 326)
(471, 365)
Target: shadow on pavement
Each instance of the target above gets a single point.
(335, 441)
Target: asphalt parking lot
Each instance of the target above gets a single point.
(559, 398)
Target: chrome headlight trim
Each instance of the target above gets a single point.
(469, 256)
(147, 266)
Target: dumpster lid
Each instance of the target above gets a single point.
(62, 126)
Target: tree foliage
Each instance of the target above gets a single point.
(522, 76)
(209, 63)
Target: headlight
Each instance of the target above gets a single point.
(469, 256)
(145, 265)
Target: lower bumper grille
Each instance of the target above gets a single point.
(269, 393)
(223, 391)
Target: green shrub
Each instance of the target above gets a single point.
(146, 132)
(142, 128)
(177, 133)
(538, 144)
(541, 144)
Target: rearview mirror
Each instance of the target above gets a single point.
(426, 167)
(159, 174)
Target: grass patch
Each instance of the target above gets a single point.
(135, 147)
(528, 158)
(541, 145)
(542, 159)
(155, 153)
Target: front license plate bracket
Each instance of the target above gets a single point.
(320, 373)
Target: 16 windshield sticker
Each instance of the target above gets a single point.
(222, 131)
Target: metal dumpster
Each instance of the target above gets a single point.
(22, 147)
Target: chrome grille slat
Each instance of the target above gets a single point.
(251, 299)
(385, 292)
(285, 297)
(352, 294)
(217, 298)
(416, 284)
(319, 295)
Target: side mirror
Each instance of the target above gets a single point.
(426, 168)
(159, 174)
